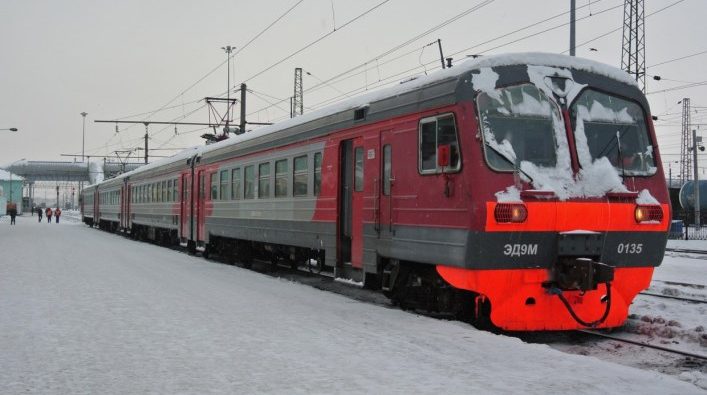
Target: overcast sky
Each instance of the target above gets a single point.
(117, 59)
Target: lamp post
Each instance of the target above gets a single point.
(83, 136)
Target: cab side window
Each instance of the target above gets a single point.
(435, 132)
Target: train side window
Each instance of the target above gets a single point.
(236, 184)
(223, 189)
(358, 172)
(317, 173)
(387, 168)
(249, 184)
(299, 179)
(164, 191)
(168, 191)
(175, 191)
(214, 186)
(281, 173)
(264, 180)
(152, 193)
(434, 132)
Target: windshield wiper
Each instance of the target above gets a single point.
(516, 166)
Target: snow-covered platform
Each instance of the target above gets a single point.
(84, 311)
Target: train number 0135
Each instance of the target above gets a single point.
(630, 248)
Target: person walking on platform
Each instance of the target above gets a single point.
(49, 214)
(12, 210)
(57, 214)
(40, 212)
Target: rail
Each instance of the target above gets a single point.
(646, 345)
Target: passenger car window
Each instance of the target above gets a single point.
(281, 178)
(264, 181)
(249, 177)
(223, 188)
(236, 184)
(300, 176)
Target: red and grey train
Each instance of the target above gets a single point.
(523, 188)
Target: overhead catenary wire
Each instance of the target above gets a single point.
(397, 47)
(454, 18)
(678, 59)
(553, 28)
(307, 46)
(209, 73)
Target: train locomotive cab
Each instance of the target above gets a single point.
(572, 210)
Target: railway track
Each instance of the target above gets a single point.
(691, 300)
(699, 357)
(687, 251)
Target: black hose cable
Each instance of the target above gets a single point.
(574, 315)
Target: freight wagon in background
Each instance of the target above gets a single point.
(524, 188)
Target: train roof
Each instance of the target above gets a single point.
(420, 82)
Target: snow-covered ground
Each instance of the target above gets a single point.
(84, 311)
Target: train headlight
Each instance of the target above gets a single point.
(510, 212)
(648, 214)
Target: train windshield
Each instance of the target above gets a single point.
(611, 127)
(519, 125)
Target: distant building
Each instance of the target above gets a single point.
(10, 190)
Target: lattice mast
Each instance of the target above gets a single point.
(298, 98)
(685, 155)
(634, 42)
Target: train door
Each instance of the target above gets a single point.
(351, 204)
(125, 206)
(121, 207)
(184, 212)
(96, 206)
(200, 201)
(128, 206)
(387, 178)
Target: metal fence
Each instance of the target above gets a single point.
(691, 232)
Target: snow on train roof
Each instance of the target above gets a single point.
(526, 58)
